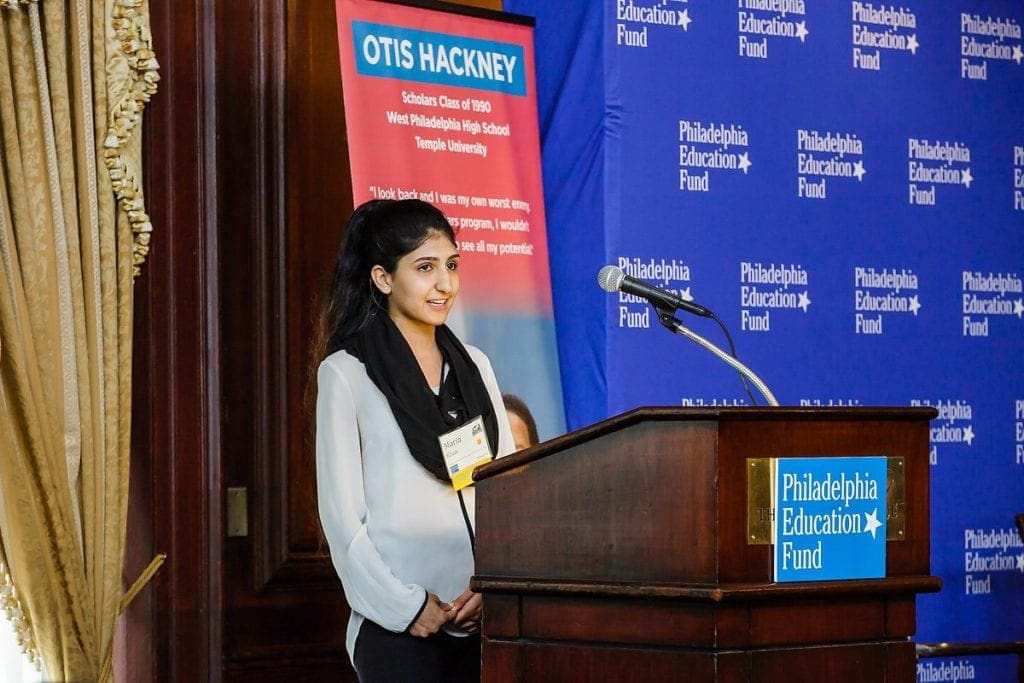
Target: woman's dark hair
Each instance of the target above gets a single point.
(380, 232)
(515, 405)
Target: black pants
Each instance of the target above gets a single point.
(396, 657)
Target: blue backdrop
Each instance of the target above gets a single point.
(843, 183)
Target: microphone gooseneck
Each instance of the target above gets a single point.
(611, 279)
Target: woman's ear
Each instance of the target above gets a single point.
(381, 279)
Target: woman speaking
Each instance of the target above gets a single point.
(404, 409)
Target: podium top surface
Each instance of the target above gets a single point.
(721, 414)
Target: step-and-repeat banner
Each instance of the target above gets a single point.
(843, 184)
(442, 106)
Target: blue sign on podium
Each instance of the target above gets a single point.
(830, 518)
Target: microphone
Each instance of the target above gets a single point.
(612, 279)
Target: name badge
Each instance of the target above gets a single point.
(464, 450)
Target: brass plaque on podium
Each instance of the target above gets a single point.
(761, 512)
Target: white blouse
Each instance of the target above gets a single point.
(395, 531)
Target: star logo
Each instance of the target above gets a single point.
(1018, 307)
(912, 43)
(801, 30)
(1020, 562)
(804, 301)
(858, 170)
(1018, 54)
(871, 522)
(969, 435)
(745, 162)
(966, 177)
(685, 295)
(684, 19)
(915, 305)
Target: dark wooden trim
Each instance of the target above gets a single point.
(136, 654)
(719, 593)
(283, 556)
(213, 501)
(174, 628)
(721, 415)
(270, 395)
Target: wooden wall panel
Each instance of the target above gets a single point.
(171, 632)
(280, 124)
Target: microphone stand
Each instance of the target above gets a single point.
(667, 318)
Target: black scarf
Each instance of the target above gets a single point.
(422, 415)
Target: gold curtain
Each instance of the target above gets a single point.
(74, 77)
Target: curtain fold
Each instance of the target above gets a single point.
(74, 78)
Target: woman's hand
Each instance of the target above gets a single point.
(435, 614)
(468, 609)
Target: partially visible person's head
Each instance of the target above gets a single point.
(379, 233)
(524, 427)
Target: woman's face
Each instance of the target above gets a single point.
(424, 285)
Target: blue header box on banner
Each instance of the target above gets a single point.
(440, 58)
(830, 516)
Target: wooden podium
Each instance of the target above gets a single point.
(629, 551)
